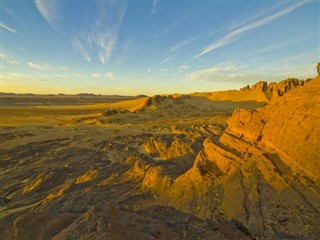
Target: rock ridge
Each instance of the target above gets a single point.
(275, 89)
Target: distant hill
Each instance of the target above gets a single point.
(84, 95)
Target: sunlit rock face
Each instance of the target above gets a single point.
(288, 125)
(260, 86)
(274, 89)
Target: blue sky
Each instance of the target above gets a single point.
(149, 47)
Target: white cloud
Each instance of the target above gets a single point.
(22, 78)
(277, 46)
(182, 68)
(2, 25)
(270, 71)
(222, 73)
(154, 7)
(49, 11)
(9, 11)
(14, 75)
(310, 57)
(110, 75)
(176, 48)
(46, 67)
(106, 41)
(295, 70)
(96, 75)
(237, 23)
(63, 76)
(269, 48)
(102, 35)
(12, 61)
(9, 59)
(290, 66)
(237, 33)
(79, 75)
(78, 46)
(182, 44)
(165, 60)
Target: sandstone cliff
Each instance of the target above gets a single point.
(289, 125)
(274, 89)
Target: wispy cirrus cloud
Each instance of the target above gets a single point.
(276, 46)
(223, 72)
(46, 67)
(109, 75)
(49, 11)
(173, 49)
(9, 59)
(154, 7)
(7, 10)
(300, 65)
(126, 46)
(182, 68)
(238, 32)
(237, 23)
(79, 46)
(3, 26)
(308, 56)
(165, 60)
(63, 76)
(182, 44)
(101, 36)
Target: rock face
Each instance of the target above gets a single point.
(247, 123)
(169, 102)
(285, 86)
(260, 86)
(288, 125)
(168, 147)
(275, 89)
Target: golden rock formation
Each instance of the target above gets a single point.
(287, 125)
(200, 166)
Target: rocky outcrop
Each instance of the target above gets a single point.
(170, 146)
(288, 125)
(158, 102)
(235, 179)
(285, 86)
(247, 123)
(260, 86)
(215, 159)
(275, 89)
(261, 174)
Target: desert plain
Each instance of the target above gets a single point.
(238, 164)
